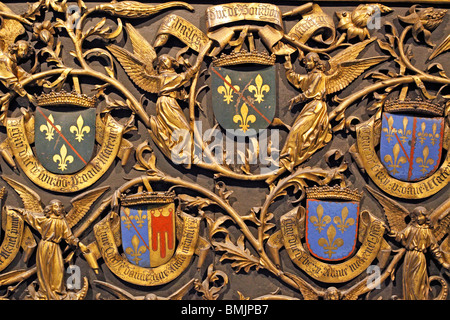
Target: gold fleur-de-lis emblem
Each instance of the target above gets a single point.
(227, 90)
(80, 129)
(136, 251)
(259, 89)
(342, 222)
(434, 136)
(320, 221)
(127, 220)
(422, 135)
(139, 218)
(331, 244)
(63, 158)
(404, 133)
(424, 162)
(397, 162)
(244, 118)
(390, 130)
(49, 129)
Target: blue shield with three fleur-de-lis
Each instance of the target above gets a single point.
(411, 146)
(64, 138)
(148, 229)
(244, 98)
(331, 228)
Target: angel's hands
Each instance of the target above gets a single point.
(300, 98)
(83, 248)
(288, 63)
(391, 233)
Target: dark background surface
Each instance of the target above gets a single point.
(245, 194)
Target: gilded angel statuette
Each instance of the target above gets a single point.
(54, 226)
(13, 52)
(362, 287)
(311, 129)
(424, 233)
(163, 80)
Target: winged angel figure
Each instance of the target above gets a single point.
(311, 129)
(122, 294)
(367, 284)
(423, 233)
(12, 52)
(164, 81)
(54, 225)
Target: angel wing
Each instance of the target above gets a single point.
(139, 64)
(344, 67)
(440, 220)
(118, 292)
(308, 291)
(10, 29)
(395, 212)
(31, 200)
(442, 47)
(81, 205)
(356, 290)
(180, 293)
(142, 49)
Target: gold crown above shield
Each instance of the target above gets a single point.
(65, 98)
(414, 106)
(333, 193)
(147, 198)
(244, 57)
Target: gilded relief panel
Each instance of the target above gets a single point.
(233, 151)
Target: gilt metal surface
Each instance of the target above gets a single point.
(224, 151)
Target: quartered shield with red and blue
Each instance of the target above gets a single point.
(331, 228)
(148, 233)
(411, 146)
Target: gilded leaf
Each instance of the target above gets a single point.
(208, 287)
(241, 256)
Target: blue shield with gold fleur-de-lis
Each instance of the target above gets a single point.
(64, 138)
(331, 228)
(148, 228)
(244, 98)
(411, 146)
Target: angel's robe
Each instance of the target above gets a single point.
(311, 129)
(11, 74)
(49, 260)
(170, 128)
(417, 239)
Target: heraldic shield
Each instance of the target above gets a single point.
(331, 225)
(148, 228)
(64, 137)
(411, 143)
(244, 99)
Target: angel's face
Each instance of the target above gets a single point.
(23, 49)
(420, 215)
(309, 62)
(421, 219)
(332, 293)
(57, 207)
(165, 63)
